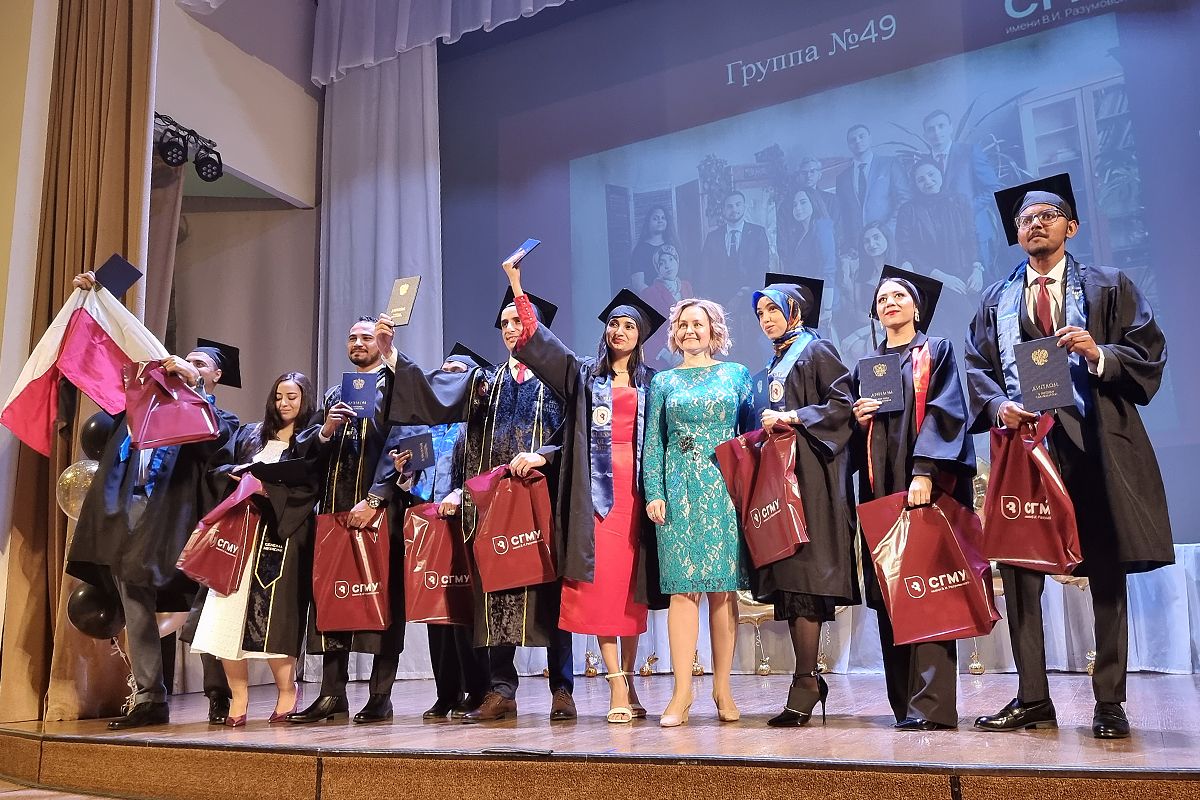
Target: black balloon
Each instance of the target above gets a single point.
(94, 434)
(95, 612)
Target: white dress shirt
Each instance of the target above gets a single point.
(1055, 290)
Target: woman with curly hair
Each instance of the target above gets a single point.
(692, 409)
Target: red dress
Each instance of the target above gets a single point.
(606, 606)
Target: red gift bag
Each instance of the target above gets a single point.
(935, 583)
(350, 575)
(1028, 517)
(216, 552)
(513, 529)
(162, 410)
(759, 469)
(437, 570)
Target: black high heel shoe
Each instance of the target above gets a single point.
(801, 702)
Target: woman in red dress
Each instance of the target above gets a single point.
(609, 563)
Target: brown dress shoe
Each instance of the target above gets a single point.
(494, 707)
(562, 706)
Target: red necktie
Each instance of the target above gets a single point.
(522, 370)
(1045, 319)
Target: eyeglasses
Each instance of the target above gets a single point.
(1045, 217)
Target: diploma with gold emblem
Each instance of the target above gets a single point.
(880, 378)
(400, 304)
(358, 392)
(1044, 374)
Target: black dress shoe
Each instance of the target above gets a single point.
(327, 706)
(377, 709)
(218, 709)
(1017, 715)
(466, 706)
(1109, 722)
(440, 709)
(141, 715)
(914, 724)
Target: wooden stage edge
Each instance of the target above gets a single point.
(855, 755)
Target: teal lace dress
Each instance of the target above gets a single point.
(690, 412)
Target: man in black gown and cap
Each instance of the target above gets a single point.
(136, 517)
(1117, 354)
(511, 418)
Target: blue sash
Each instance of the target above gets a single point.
(601, 445)
(1008, 331)
(777, 375)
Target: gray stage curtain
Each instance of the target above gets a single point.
(381, 216)
(364, 33)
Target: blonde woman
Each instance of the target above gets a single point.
(693, 408)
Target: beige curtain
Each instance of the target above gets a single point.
(94, 203)
(166, 200)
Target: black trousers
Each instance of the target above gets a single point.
(458, 668)
(1106, 577)
(922, 679)
(503, 666)
(335, 673)
(215, 683)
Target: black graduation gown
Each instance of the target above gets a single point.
(280, 583)
(503, 419)
(818, 387)
(571, 379)
(1132, 501)
(348, 463)
(104, 547)
(898, 452)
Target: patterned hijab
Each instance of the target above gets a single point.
(793, 299)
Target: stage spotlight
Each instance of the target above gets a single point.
(208, 163)
(173, 147)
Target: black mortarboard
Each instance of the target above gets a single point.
(460, 352)
(628, 304)
(544, 308)
(1054, 190)
(117, 275)
(809, 289)
(227, 358)
(928, 291)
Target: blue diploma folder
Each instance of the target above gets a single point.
(880, 378)
(358, 392)
(1044, 372)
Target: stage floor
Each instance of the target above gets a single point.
(1163, 709)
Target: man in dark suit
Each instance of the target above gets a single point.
(966, 172)
(871, 189)
(734, 254)
(1107, 463)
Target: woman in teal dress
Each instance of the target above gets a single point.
(692, 409)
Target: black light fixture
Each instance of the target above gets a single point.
(208, 162)
(173, 146)
(175, 142)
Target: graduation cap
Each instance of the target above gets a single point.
(929, 291)
(810, 290)
(628, 304)
(460, 352)
(1054, 190)
(117, 275)
(226, 357)
(544, 308)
